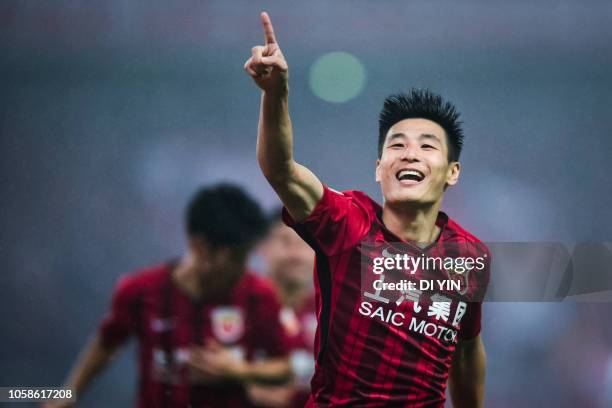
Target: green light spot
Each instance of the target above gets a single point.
(337, 77)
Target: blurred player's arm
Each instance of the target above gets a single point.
(93, 358)
(279, 396)
(298, 188)
(467, 375)
(273, 369)
(116, 327)
(215, 362)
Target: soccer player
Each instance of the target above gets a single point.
(205, 326)
(289, 264)
(378, 354)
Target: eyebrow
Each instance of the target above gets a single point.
(396, 136)
(421, 136)
(429, 136)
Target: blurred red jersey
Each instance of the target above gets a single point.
(300, 326)
(166, 322)
(374, 350)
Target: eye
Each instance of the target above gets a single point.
(427, 146)
(396, 146)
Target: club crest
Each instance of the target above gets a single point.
(227, 324)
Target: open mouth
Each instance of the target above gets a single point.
(410, 175)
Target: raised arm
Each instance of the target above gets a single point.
(298, 188)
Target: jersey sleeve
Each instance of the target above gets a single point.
(338, 222)
(271, 336)
(119, 323)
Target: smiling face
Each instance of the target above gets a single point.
(414, 167)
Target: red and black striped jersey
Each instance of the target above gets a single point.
(167, 322)
(375, 350)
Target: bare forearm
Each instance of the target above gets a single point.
(268, 370)
(90, 362)
(275, 140)
(298, 188)
(272, 396)
(467, 376)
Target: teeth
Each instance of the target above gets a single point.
(406, 173)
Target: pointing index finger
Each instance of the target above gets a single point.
(267, 27)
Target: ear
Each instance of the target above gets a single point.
(378, 176)
(452, 176)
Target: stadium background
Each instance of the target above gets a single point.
(114, 112)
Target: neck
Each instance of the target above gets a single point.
(414, 224)
(187, 278)
(198, 282)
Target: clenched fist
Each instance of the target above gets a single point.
(267, 65)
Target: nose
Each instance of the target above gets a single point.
(410, 154)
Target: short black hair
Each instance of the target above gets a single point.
(226, 216)
(424, 104)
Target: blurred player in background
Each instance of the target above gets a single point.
(289, 264)
(364, 357)
(205, 326)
